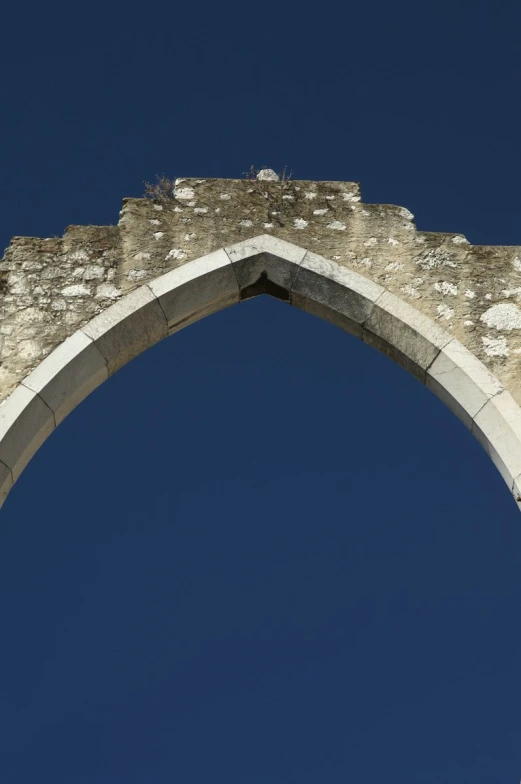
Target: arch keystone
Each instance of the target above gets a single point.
(265, 265)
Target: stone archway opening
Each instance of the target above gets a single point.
(196, 288)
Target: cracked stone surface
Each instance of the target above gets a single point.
(49, 288)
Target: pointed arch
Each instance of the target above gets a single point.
(264, 264)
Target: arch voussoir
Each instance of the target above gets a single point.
(404, 334)
(196, 289)
(497, 427)
(128, 327)
(335, 293)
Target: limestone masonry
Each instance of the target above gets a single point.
(51, 287)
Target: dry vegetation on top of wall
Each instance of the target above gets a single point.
(164, 187)
(162, 190)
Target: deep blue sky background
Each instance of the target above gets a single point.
(261, 553)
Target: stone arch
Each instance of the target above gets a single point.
(263, 264)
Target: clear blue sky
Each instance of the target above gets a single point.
(261, 553)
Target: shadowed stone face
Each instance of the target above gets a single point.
(51, 287)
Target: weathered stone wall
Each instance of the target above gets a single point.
(51, 287)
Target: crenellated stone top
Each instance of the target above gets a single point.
(51, 287)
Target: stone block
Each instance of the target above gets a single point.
(335, 293)
(128, 327)
(404, 334)
(6, 482)
(25, 422)
(196, 289)
(461, 381)
(516, 491)
(497, 427)
(68, 375)
(265, 260)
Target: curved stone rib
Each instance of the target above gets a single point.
(222, 278)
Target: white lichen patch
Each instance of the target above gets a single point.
(155, 222)
(394, 266)
(488, 297)
(225, 197)
(337, 226)
(201, 210)
(460, 240)
(245, 224)
(158, 207)
(320, 212)
(268, 225)
(18, 284)
(469, 323)
(330, 198)
(511, 292)
(31, 266)
(175, 253)
(370, 241)
(349, 196)
(310, 195)
(434, 258)
(365, 262)
(141, 256)
(137, 274)
(405, 213)
(79, 255)
(504, 316)
(470, 294)
(288, 197)
(158, 235)
(444, 311)
(184, 193)
(300, 223)
(29, 349)
(189, 237)
(495, 347)
(445, 287)
(94, 272)
(392, 241)
(76, 291)
(517, 264)
(107, 291)
(410, 291)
